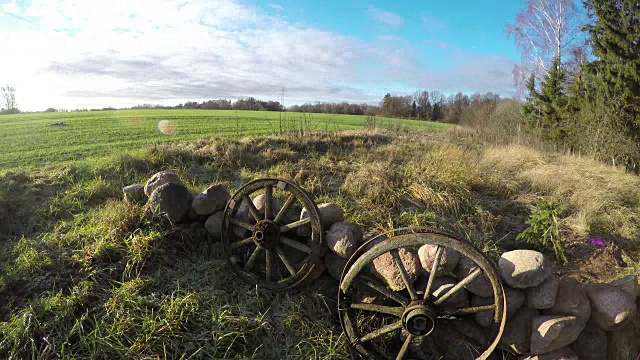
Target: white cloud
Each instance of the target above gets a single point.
(384, 17)
(276, 7)
(433, 24)
(121, 53)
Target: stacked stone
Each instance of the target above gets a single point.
(547, 317)
(562, 319)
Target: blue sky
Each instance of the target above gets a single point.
(76, 53)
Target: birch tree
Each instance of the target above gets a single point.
(545, 30)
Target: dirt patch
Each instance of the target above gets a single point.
(589, 263)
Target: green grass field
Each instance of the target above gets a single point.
(29, 140)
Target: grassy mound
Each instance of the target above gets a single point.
(86, 275)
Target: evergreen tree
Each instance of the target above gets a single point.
(547, 109)
(615, 37)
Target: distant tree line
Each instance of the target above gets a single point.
(343, 108)
(435, 106)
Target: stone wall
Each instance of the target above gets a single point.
(549, 316)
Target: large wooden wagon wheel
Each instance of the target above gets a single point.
(401, 324)
(264, 244)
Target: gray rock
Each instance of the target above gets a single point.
(171, 199)
(134, 193)
(571, 300)
(259, 202)
(544, 295)
(211, 200)
(591, 344)
(242, 214)
(628, 284)
(214, 224)
(610, 305)
(552, 332)
(158, 179)
(564, 353)
(448, 261)
(343, 238)
(441, 285)
(524, 268)
(315, 273)
(471, 329)
(385, 268)
(515, 299)
(330, 213)
(517, 331)
(334, 265)
(624, 343)
(481, 285)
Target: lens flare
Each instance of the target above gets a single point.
(167, 127)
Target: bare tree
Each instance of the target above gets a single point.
(544, 30)
(9, 103)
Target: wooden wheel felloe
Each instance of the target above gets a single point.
(264, 244)
(405, 324)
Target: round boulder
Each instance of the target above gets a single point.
(564, 353)
(211, 200)
(384, 267)
(134, 193)
(344, 238)
(571, 300)
(214, 224)
(610, 305)
(591, 344)
(158, 179)
(448, 260)
(515, 299)
(628, 284)
(441, 285)
(544, 295)
(517, 331)
(171, 199)
(481, 285)
(552, 332)
(524, 268)
(624, 343)
(334, 265)
(330, 213)
(259, 202)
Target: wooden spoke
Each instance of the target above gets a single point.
(285, 208)
(269, 263)
(382, 289)
(285, 260)
(252, 259)
(389, 310)
(295, 244)
(469, 278)
(242, 243)
(382, 331)
(252, 208)
(242, 224)
(268, 199)
(294, 225)
(404, 275)
(432, 274)
(405, 347)
(469, 310)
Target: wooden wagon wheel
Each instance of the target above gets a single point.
(263, 244)
(398, 326)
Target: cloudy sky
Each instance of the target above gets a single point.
(97, 53)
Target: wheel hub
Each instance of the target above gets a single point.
(266, 234)
(419, 320)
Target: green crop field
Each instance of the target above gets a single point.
(32, 140)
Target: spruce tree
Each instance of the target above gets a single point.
(615, 37)
(547, 109)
